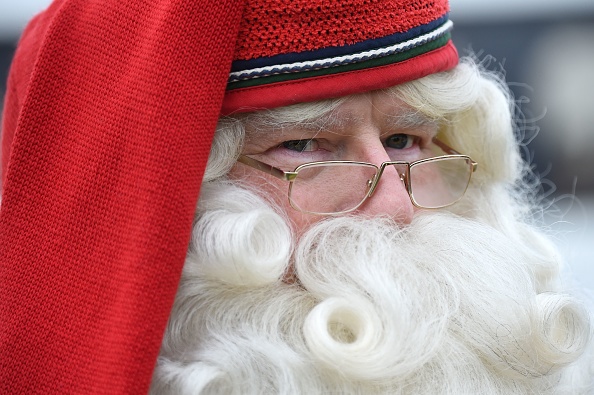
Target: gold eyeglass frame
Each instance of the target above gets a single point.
(372, 184)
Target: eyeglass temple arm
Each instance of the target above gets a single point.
(449, 150)
(265, 167)
(444, 147)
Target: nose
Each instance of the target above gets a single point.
(390, 197)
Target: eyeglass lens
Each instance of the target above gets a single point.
(440, 182)
(331, 188)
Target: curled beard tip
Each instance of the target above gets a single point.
(342, 334)
(235, 247)
(564, 328)
(353, 338)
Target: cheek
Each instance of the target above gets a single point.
(275, 190)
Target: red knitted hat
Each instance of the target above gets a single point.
(312, 49)
(108, 121)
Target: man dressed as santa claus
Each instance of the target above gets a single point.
(270, 197)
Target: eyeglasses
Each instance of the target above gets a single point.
(341, 186)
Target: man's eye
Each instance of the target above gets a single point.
(300, 145)
(400, 141)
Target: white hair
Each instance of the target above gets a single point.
(463, 301)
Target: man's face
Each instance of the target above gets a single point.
(373, 128)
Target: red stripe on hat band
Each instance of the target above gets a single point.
(337, 85)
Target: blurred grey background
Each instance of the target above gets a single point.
(547, 52)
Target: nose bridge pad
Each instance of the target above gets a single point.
(370, 186)
(372, 183)
(403, 178)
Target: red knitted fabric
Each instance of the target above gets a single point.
(110, 131)
(109, 117)
(275, 27)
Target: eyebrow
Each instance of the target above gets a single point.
(328, 122)
(265, 125)
(410, 120)
(407, 119)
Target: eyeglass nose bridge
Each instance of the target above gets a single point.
(404, 176)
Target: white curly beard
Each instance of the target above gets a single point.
(444, 305)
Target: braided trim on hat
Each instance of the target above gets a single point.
(329, 85)
(299, 67)
(342, 68)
